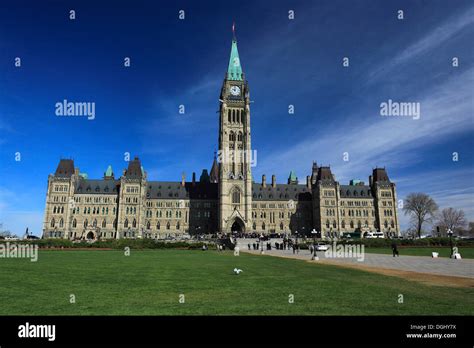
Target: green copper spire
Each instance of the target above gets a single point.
(234, 72)
(292, 179)
(109, 171)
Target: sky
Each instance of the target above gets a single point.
(287, 61)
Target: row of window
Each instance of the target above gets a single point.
(59, 199)
(132, 189)
(60, 188)
(235, 115)
(94, 210)
(351, 212)
(95, 199)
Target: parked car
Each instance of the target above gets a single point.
(321, 247)
(11, 238)
(373, 235)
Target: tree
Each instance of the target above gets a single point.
(450, 218)
(421, 207)
(4, 233)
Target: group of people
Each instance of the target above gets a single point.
(255, 246)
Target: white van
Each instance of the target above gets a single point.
(373, 235)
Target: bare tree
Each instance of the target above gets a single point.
(450, 218)
(4, 233)
(421, 208)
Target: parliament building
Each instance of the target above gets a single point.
(225, 199)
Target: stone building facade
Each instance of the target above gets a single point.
(225, 199)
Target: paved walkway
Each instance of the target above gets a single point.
(422, 264)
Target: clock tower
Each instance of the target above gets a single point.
(235, 155)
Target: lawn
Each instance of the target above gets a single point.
(150, 283)
(467, 253)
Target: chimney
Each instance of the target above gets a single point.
(264, 180)
(194, 178)
(308, 182)
(274, 181)
(370, 180)
(183, 179)
(76, 171)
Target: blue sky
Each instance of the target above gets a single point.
(297, 62)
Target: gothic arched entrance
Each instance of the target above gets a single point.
(237, 226)
(90, 236)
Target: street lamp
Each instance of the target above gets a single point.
(313, 232)
(296, 242)
(450, 234)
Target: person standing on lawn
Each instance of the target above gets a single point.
(395, 249)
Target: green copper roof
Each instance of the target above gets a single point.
(234, 72)
(84, 175)
(109, 171)
(292, 176)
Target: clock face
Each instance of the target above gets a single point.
(236, 62)
(235, 90)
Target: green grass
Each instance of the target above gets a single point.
(149, 283)
(467, 253)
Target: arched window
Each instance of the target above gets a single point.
(281, 226)
(134, 223)
(148, 225)
(115, 223)
(343, 224)
(231, 136)
(334, 224)
(168, 225)
(54, 210)
(61, 223)
(53, 222)
(366, 223)
(86, 223)
(228, 116)
(158, 225)
(94, 223)
(125, 223)
(177, 225)
(359, 225)
(104, 223)
(327, 224)
(254, 226)
(236, 196)
(352, 224)
(239, 136)
(263, 225)
(385, 224)
(392, 224)
(74, 223)
(233, 115)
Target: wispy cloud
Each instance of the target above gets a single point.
(446, 110)
(428, 43)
